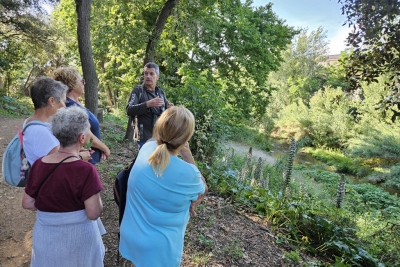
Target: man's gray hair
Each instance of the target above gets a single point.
(44, 88)
(68, 123)
(152, 65)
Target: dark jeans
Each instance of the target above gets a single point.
(140, 144)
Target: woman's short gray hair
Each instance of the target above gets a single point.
(44, 88)
(68, 123)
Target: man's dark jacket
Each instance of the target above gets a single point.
(146, 116)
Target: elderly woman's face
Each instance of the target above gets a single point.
(79, 87)
(54, 105)
(87, 136)
(60, 104)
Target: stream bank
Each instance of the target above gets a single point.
(280, 151)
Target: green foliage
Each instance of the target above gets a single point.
(114, 133)
(383, 143)
(393, 178)
(250, 136)
(237, 47)
(329, 123)
(202, 95)
(339, 161)
(15, 107)
(375, 198)
(29, 45)
(310, 220)
(335, 76)
(326, 120)
(301, 74)
(375, 45)
(208, 244)
(234, 249)
(293, 256)
(229, 39)
(331, 240)
(287, 174)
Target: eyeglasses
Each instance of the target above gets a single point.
(83, 81)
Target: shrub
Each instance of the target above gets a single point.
(202, 95)
(15, 107)
(393, 179)
(373, 197)
(326, 121)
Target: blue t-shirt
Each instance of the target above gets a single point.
(94, 128)
(157, 210)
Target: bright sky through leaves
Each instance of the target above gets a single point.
(312, 14)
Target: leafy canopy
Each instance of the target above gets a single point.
(376, 42)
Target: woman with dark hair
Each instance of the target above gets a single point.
(47, 96)
(65, 192)
(71, 77)
(162, 189)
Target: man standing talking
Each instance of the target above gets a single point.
(146, 103)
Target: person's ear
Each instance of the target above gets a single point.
(51, 101)
(81, 139)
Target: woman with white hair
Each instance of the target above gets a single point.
(162, 190)
(65, 192)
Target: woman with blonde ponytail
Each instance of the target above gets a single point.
(162, 190)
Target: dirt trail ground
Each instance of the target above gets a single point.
(221, 234)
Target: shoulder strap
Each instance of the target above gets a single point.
(45, 179)
(33, 123)
(141, 92)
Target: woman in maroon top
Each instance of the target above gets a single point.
(67, 199)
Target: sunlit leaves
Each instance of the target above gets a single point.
(376, 41)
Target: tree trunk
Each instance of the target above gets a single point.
(158, 29)
(151, 46)
(83, 10)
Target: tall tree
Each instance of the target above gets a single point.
(158, 29)
(83, 11)
(152, 45)
(230, 40)
(28, 42)
(24, 20)
(376, 42)
(235, 42)
(301, 74)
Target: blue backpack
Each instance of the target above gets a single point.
(15, 164)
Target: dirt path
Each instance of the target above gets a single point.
(223, 234)
(15, 223)
(243, 150)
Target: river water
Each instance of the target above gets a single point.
(280, 150)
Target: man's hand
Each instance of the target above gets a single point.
(155, 102)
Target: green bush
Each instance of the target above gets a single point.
(393, 178)
(339, 161)
(326, 120)
(249, 136)
(377, 143)
(10, 106)
(374, 197)
(202, 95)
